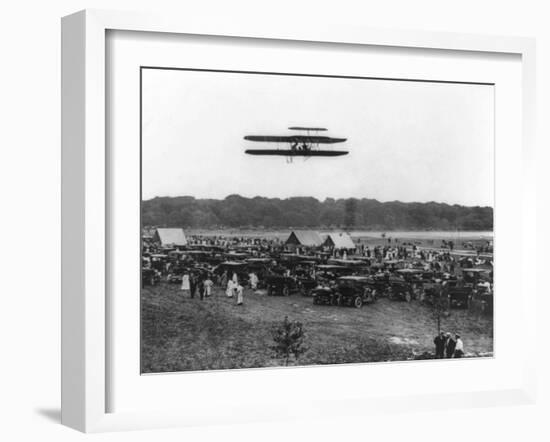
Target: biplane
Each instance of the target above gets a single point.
(304, 145)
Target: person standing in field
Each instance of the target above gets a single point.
(240, 290)
(459, 348)
(208, 287)
(230, 287)
(200, 286)
(223, 279)
(439, 342)
(253, 281)
(185, 283)
(192, 284)
(450, 345)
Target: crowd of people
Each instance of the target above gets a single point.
(448, 345)
(200, 278)
(194, 283)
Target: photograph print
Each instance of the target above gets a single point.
(297, 220)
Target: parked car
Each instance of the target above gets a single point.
(459, 296)
(431, 293)
(399, 289)
(174, 278)
(280, 285)
(233, 267)
(262, 267)
(475, 276)
(149, 276)
(306, 283)
(355, 291)
(324, 295)
(332, 272)
(411, 275)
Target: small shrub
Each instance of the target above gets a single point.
(288, 338)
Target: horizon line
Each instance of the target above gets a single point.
(317, 199)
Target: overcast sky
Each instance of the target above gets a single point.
(408, 141)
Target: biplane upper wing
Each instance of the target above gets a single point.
(316, 129)
(294, 139)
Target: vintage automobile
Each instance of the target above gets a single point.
(197, 255)
(327, 272)
(475, 276)
(293, 259)
(400, 290)
(411, 275)
(459, 297)
(431, 292)
(234, 255)
(213, 258)
(355, 291)
(233, 267)
(149, 276)
(324, 294)
(305, 279)
(280, 285)
(158, 261)
(381, 283)
(262, 267)
(393, 264)
(174, 278)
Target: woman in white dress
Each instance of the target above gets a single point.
(208, 287)
(239, 288)
(230, 288)
(253, 281)
(185, 286)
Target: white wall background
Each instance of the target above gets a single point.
(30, 219)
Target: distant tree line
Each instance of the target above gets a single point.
(236, 211)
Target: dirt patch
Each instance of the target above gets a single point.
(402, 341)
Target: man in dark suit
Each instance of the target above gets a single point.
(192, 284)
(200, 286)
(450, 346)
(439, 342)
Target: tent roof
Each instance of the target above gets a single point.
(341, 240)
(173, 236)
(307, 237)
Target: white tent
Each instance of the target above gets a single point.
(308, 238)
(171, 237)
(339, 240)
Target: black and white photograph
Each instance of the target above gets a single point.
(302, 219)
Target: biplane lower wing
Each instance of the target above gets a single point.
(294, 139)
(297, 153)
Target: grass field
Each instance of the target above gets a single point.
(179, 333)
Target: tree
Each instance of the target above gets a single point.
(350, 213)
(439, 308)
(288, 339)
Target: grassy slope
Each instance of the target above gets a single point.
(186, 334)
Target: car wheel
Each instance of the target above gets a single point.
(358, 302)
(286, 292)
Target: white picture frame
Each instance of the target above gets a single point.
(85, 211)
